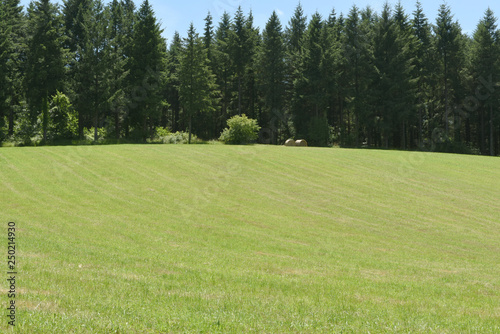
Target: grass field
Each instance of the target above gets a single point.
(238, 239)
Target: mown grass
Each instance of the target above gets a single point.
(234, 239)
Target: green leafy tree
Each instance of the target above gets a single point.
(241, 130)
(63, 122)
(197, 83)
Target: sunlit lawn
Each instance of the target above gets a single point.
(238, 239)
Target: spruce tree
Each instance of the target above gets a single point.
(308, 102)
(392, 83)
(271, 67)
(224, 72)
(172, 87)
(294, 34)
(485, 68)
(46, 59)
(423, 54)
(239, 48)
(448, 44)
(5, 47)
(197, 83)
(147, 67)
(117, 61)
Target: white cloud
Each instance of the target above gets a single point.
(279, 12)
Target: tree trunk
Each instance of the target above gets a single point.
(189, 139)
(492, 141)
(447, 108)
(11, 121)
(403, 136)
(117, 125)
(45, 118)
(482, 146)
(239, 95)
(420, 129)
(95, 126)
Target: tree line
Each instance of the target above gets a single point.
(388, 79)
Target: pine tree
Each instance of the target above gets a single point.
(224, 72)
(5, 47)
(272, 75)
(486, 68)
(147, 67)
(239, 47)
(117, 62)
(45, 59)
(294, 35)
(309, 96)
(250, 101)
(15, 21)
(173, 64)
(392, 83)
(423, 54)
(448, 43)
(197, 83)
(356, 41)
(331, 69)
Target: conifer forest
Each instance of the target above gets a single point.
(388, 79)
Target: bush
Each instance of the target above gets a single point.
(242, 130)
(162, 132)
(88, 134)
(26, 130)
(179, 138)
(63, 122)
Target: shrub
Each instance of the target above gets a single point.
(27, 131)
(179, 138)
(242, 130)
(63, 122)
(88, 134)
(162, 132)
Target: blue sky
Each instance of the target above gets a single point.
(177, 15)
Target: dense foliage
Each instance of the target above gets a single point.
(240, 130)
(385, 79)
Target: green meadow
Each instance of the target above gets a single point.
(242, 239)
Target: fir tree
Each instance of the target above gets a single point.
(272, 74)
(448, 43)
(45, 59)
(147, 66)
(197, 83)
(486, 68)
